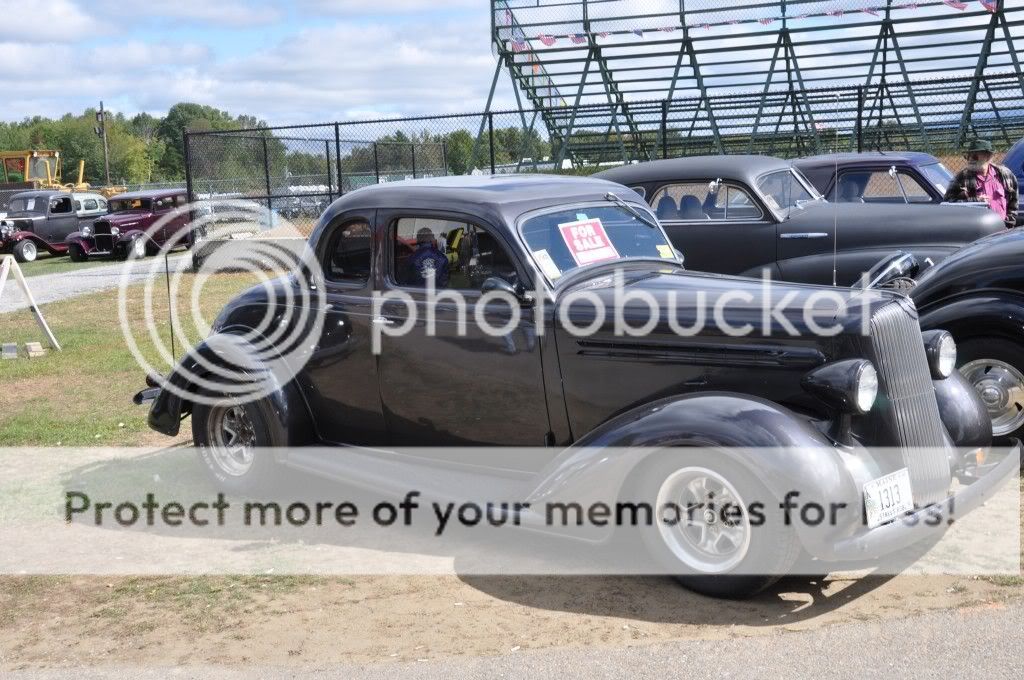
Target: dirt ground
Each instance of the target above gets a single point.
(69, 621)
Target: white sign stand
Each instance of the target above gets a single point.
(6, 265)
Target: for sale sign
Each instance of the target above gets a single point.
(588, 242)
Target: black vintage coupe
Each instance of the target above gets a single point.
(805, 404)
(746, 214)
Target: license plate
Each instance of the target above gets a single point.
(886, 498)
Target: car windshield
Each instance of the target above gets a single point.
(26, 205)
(126, 204)
(784, 190)
(571, 238)
(938, 174)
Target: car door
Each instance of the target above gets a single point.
(455, 383)
(61, 219)
(718, 226)
(341, 381)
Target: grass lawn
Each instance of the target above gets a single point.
(83, 395)
(55, 264)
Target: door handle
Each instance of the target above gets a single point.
(382, 321)
(805, 234)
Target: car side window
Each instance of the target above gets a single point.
(59, 206)
(103, 204)
(455, 254)
(78, 205)
(703, 201)
(880, 186)
(91, 204)
(349, 253)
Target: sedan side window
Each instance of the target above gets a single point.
(455, 254)
(90, 204)
(349, 253)
(880, 186)
(702, 201)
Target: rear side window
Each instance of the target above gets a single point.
(90, 204)
(349, 253)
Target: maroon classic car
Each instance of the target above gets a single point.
(127, 229)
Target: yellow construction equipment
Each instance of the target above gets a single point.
(41, 169)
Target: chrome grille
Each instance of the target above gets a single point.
(102, 237)
(908, 397)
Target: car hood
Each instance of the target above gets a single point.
(992, 262)
(794, 310)
(940, 222)
(125, 219)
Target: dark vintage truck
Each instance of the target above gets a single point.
(41, 221)
(875, 404)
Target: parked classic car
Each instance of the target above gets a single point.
(1014, 160)
(126, 230)
(892, 177)
(39, 220)
(89, 205)
(744, 214)
(572, 397)
(977, 294)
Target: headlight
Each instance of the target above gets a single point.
(6, 229)
(86, 231)
(850, 386)
(115, 232)
(940, 347)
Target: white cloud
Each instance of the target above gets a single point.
(384, 7)
(214, 13)
(52, 20)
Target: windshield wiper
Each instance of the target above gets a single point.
(631, 210)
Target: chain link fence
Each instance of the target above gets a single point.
(297, 171)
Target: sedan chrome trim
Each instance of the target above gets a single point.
(805, 234)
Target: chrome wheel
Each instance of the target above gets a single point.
(232, 439)
(703, 520)
(28, 251)
(139, 248)
(1001, 387)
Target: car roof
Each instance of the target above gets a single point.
(744, 168)
(498, 199)
(867, 158)
(149, 193)
(39, 193)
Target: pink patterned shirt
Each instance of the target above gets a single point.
(991, 187)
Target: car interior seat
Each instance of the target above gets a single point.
(667, 208)
(690, 209)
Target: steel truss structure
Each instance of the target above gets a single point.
(626, 80)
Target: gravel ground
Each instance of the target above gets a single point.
(53, 287)
(973, 642)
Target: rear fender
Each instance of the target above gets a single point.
(290, 423)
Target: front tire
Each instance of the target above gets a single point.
(25, 251)
(995, 368)
(76, 253)
(710, 553)
(230, 436)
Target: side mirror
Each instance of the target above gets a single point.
(497, 283)
(899, 265)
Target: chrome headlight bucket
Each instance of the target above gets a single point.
(115, 232)
(940, 347)
(6, 229)
(849, 386)
(86, 231)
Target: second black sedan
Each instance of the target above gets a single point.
(746, 214)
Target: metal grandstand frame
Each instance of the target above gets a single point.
(624, 79)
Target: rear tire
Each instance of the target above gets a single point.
(229, 437)
(715, 565)
(995, 368)
(25, 251)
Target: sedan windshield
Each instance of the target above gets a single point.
(26, 205)
(568, 239)
(124, 205)
(938, 175)
(783, 191)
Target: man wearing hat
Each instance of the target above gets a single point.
(983, 180)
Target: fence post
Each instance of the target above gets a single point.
(330, 171)
(412, 146)
(664, 128)
(490, 135)
(266, 177)
(190, 195)
(444, 157)
(860, 118)
(337, 158)
(376, 163)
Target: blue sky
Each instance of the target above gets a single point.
(286, 62)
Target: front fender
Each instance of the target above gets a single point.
(998, 313)
(963, 412)
(781, 449)
(289, 417)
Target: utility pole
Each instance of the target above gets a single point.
(101, 130)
